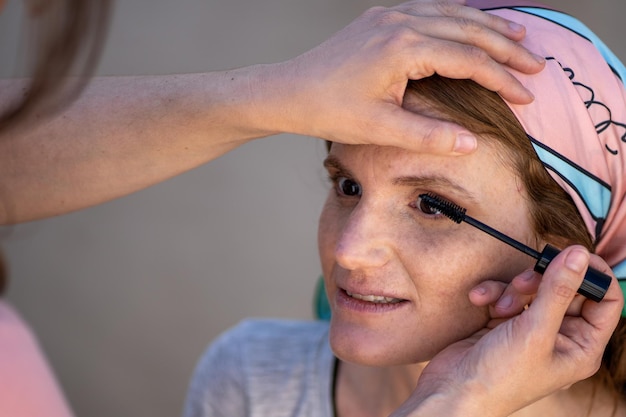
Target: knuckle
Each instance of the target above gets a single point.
(374, 12)
(400, 38)
(475, 54)
(428, 140)
(393, 40)
(392, 17)
(494, 20)
(516, 51)
(470, 26)
(432, 138)
(563, 291)
(590, 367)
(383, 16)
(447, 8)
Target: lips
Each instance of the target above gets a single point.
(376, 299)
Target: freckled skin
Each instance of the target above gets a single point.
(382, 244)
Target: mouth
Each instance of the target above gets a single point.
(376, 299)
(368, 303)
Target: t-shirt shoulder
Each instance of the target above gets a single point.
(278, 331)
(263, 366)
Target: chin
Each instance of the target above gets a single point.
(370, 348)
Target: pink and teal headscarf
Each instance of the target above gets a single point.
(577, 122)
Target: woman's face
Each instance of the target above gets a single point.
(398, 275)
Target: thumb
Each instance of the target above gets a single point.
(416, 132)
(558, 287)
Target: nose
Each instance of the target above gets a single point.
(364, 241)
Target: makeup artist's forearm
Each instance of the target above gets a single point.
(124, 134)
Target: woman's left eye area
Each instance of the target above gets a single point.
(347, 187)
(420, 205)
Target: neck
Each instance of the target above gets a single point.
(366, 391)
(588, 398)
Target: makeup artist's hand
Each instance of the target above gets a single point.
(410, 41)
(560, 334)
(506, 300)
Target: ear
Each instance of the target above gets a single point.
(554, 240)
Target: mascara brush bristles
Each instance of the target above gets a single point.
(447, 208)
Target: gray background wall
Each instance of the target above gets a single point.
(125, 296)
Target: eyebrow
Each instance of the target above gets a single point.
(436, 182)
(332, 162)
(428, 181)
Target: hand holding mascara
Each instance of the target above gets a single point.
(595, 283)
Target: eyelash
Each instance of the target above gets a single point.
(337, 184)
(432, 214)
(415, 203)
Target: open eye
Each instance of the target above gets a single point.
(426, 208)
(348, 187)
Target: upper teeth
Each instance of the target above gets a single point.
(374, 298)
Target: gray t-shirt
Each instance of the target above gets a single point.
(265, 368)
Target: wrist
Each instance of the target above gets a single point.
(446, 399)
(261, 97)
(241, 103)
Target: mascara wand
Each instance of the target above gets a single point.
(595, 283)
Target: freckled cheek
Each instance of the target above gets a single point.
(445, 263)
(436, 247)
(444, 269)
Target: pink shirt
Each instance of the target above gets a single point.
(27, 386)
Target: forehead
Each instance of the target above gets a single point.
(480, 182)
(485, 168)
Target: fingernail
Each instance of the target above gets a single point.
(527, 275)
(480, 290)
(505, 302)
(516, 27)
(538, 58)
(577, 260)
(465, 143)
(530, 94)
